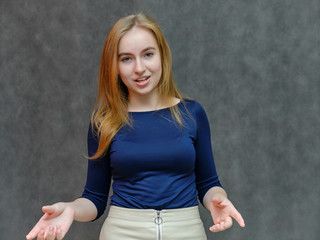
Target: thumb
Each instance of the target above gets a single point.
(48, 209)
(51, 208)
(219, 202)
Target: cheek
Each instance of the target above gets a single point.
(123, 71)
(157, 67)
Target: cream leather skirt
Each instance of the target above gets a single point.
(149, 224)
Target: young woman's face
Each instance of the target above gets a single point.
(139, 62)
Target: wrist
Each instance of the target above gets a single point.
(214, 193)
(69, 207)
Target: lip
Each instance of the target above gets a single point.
(144, 82)
(141, 78)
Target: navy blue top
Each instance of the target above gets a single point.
(154, 164)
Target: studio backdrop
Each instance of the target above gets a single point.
(253, 65)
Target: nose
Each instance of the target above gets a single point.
(139, 66)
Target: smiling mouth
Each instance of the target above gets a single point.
(142, 79)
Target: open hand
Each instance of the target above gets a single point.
(54, 224)
(222, 212)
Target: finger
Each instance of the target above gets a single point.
(237, 216)
(216, 201)
(216, 228)
(35, 230)
(41, 235)
(33, 233)
(49, 209)
(59, 233)
(51, 234)
(222, 225)
(219, 203)
(227, 223)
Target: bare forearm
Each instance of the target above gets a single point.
(210, 194)
(84, 209)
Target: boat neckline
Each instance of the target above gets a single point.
(157, 110)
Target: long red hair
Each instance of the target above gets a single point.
(111, 109)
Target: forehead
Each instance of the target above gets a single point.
(137, 39)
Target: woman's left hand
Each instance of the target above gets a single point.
(222, 212)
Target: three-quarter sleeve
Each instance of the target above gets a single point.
(205, 170)
(98, 176)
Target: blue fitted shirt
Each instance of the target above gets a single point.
(154, 164)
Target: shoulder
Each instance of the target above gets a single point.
(196, 110)
(194, 107)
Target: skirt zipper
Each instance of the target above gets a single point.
(158, 221)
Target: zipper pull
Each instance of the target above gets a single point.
(158, 219)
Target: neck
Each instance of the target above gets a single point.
(148, 102)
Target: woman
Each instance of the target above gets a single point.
(155, 145)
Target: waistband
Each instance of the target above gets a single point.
(147, 215)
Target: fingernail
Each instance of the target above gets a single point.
(51, 229)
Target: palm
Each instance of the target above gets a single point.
(222, 212)
(64, 218)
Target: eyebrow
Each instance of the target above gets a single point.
(144, 50)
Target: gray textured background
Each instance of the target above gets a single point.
(253, 65)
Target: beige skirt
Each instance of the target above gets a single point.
(148, 224)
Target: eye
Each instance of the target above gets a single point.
(125, 59)
(149, 54)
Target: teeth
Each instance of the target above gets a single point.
(142, 79)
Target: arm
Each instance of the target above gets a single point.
(211, 193)
(84, 210)
(58, 217)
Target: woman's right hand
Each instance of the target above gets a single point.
(54, 224)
